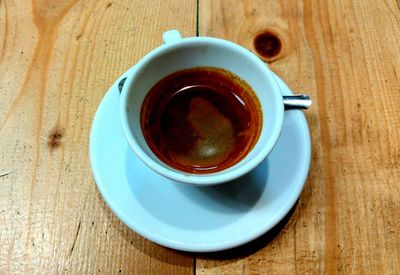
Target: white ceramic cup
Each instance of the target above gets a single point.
(179, 53)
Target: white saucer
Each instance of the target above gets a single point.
(197, 219)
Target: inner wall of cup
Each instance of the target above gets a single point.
(199, 54)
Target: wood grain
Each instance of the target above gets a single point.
(58, 59)
(345, 55)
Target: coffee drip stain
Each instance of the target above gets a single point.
(55, 138)
(268, 45)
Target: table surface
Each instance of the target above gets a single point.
(58, 59)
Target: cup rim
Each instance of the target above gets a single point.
(192, 178)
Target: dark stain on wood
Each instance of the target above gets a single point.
(55, 138)
(268, 45)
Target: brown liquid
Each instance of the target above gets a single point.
(201, 120)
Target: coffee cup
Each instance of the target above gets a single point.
(178, 54)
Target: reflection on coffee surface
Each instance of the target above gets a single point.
(201, 120)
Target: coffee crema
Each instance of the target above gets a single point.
(201, 120)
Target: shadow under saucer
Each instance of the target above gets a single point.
(252, 246)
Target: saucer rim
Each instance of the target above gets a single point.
(184, 246)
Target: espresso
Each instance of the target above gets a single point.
(201, 120)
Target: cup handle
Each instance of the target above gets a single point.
(171, 36)
(120, 83)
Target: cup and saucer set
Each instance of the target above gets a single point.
(199, 212)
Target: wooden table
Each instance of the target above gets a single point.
(58, 59)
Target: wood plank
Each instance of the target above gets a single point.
(58, 59)
(345, 55)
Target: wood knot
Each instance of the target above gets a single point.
(268, 45)
(54, 138)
